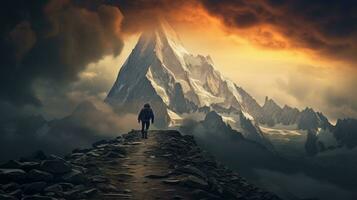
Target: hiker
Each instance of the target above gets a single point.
(146, 114)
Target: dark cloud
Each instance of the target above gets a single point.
(142, 14)
(89, 122)
(327, 27)
(52, 40)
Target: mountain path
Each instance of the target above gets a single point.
(129, 175)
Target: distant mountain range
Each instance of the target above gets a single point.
(180, 85)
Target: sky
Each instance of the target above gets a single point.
(55, 53)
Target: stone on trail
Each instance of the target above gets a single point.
(54, 188)
(11, 164)
(7, 197)
(156, 176)
(90, 192)
(17, 193)
(107, 187)
(124, 176)
(38, 197)
(112, 154)
(10, 187)
(27, 166)
(100, 142)
(93, 154)
(188, 169)
(55, 166)
(67, 186)
(35, 187)
(38, 175)
(74, 176)
(171, 181)
(118, 195)
(201, 194)
(99, 179)
(135, 143)
(194, 182)
(16, 175)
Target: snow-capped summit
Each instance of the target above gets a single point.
(161, 71)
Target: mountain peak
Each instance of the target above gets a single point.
(163, 37)
(270, 104)
(162, 72)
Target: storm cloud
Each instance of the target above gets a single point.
(53, 41)
(325, 28)
(328, 28)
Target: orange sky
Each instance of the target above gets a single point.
(264, 63)
(260, 70)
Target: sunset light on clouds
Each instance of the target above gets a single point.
(265, 60)
(260, 45)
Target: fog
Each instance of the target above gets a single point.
(89, 122)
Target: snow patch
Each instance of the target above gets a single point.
(175, 118)
(160, 90)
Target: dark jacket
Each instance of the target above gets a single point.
(145, 115)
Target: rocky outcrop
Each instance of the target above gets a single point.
(345, 132)
(93, 173)
(307, 119)
(311, 143)
(202, 174)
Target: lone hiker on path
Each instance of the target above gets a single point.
(146, 114)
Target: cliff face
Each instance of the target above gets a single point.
(168, 165)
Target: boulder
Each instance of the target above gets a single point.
(17, 193)
(38, 197)
(66, 186)
(194, 182)
(171, 181)
(100, 142)
(11, 164)
(16, 175)
(99, 179)
(76, 155)
(73, 194)
(188, 169)
(107, 187)
(157, 176)
(112, 154)
(10, 187)
(56, 188)
(201, 194)
(7, 197)
(74, 176)
(118, 149)
(35, 187)
(56, 166)
(27, 166)
(90, 192)
(93, 154)
(38, 175)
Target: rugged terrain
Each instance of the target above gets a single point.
(168, 165)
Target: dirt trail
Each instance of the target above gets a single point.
(130, 174)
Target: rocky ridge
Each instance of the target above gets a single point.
(167, 165)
